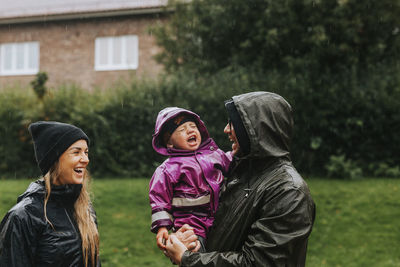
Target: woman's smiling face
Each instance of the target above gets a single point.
(73, 163)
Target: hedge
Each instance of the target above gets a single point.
(342, 125)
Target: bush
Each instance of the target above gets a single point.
(383, 169)
(16, 111)
(340, 167)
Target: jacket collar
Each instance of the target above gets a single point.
(247, 169)
(64, 195)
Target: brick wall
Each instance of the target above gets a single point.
(67, 49)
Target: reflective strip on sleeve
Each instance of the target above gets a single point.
(161, 215)
(187, 202)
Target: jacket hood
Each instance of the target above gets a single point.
(35, 188)
(267, 118)
(167, 114)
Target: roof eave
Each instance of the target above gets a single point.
(83, 15)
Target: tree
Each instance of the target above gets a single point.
(320, 35)
(336, 61)
(38, 85)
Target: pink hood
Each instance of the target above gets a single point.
(167, 114)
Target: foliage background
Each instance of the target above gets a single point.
(336, 62)
(336, 131)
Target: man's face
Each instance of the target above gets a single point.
(230, 131)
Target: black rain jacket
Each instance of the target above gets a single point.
(266, 212)
(26, 239)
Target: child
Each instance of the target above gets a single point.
(185, 188)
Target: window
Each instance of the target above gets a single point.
(116, 53)
(19, 58)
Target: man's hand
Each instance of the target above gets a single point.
(162, 236)
(186, 235)
(175, 249)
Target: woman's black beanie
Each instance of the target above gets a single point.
(51, 139)
(240, 130)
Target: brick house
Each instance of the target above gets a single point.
(91, 43)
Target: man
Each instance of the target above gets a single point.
(266, 212)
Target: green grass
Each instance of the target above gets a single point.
(358, 222)
(124, 217)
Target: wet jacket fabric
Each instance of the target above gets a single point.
(266, 213)
(26, 239)
(185, 188)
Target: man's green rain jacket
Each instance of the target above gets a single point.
(266, 212)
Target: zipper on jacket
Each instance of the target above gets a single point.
(208, 184)
(73, 226)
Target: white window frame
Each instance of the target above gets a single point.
(123, 65)
(25, 70)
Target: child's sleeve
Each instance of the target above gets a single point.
(160, 194)
(226, 159)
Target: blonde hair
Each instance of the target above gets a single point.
(83, 215)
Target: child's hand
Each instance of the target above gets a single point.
(162, 236)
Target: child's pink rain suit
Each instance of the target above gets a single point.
(185, 188)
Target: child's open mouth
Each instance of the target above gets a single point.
(192, 139)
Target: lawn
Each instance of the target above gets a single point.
(358, 222)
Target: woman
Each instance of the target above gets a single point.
(53, 222)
